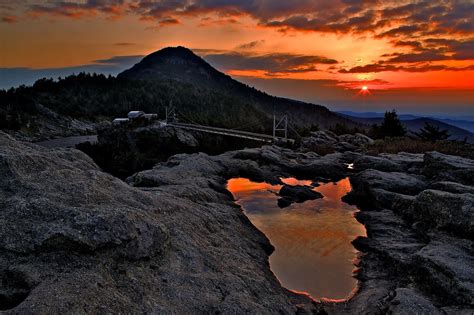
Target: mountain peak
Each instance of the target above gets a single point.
(171, 52)
(175, 63)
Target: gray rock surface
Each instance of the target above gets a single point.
(452, 187)
(297, 193)
(449, 168)
(379, 189)
(328, 140)
(446, 211)
(420, 237)
(357, 139)
(410, 302)
(377, 163)
(76, 240)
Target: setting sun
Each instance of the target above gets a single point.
(364, 88)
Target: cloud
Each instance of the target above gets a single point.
(73, 9)
(388, 18)
(9, 19)
(250, 45)
(271, 64)
(382, 67)
(11, 77)
(421, 31)
(168, 21)
(123, 44)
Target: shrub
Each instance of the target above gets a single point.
(432, 133)
(404, 144)
(342, 129)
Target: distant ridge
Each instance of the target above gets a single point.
(465, 122)
(182, 65)
(414, 125)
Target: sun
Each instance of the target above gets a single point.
(364, 91)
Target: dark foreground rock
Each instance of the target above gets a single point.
(418, 254)
(297, 193)
(76, 240)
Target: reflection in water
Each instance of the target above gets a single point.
(313, 250)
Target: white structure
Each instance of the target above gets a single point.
(120, 121)
(134, 114)
(150, 116)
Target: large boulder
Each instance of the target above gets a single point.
(379, 163)
(408, 161)
(378, 189)
(297, 193)
(76, 240)
(446, 211)
(357, 139)
(59, 199)
(60, 213)
(318, 140)
(410, 301)
(445, 268)
(449, 168)
(452, 187)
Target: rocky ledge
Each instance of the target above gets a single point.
(418, 256)
(171, 239)
(75, 239)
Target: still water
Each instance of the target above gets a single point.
(313, 250)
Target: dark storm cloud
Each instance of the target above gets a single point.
(375, 16)
(270, 63)
(418, 57)
(73, 9)
(433, 31)
(382, 67)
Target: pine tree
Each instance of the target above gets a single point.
(432, 133)
(390, 127)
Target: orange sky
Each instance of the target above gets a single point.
(387, 45)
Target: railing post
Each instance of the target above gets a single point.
(282, 125)
(170, 114)
(274, 125)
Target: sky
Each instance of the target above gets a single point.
(413, 56)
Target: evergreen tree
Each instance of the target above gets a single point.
(432, 133)
(390, 127)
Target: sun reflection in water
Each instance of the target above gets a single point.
(313, 250)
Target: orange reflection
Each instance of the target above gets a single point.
(293, 181)
(313, 250)
(242, 185)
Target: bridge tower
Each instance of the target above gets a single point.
(281, 126)
(170, 113)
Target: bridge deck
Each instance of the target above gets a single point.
(229, 132)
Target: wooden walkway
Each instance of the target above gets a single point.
(229, 132)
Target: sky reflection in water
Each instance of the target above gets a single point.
(313, 250)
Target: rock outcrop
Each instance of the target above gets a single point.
(298, 193)
(171, 240)
(74, 239)
(418, 250)
(329, 141)
(448, 167)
